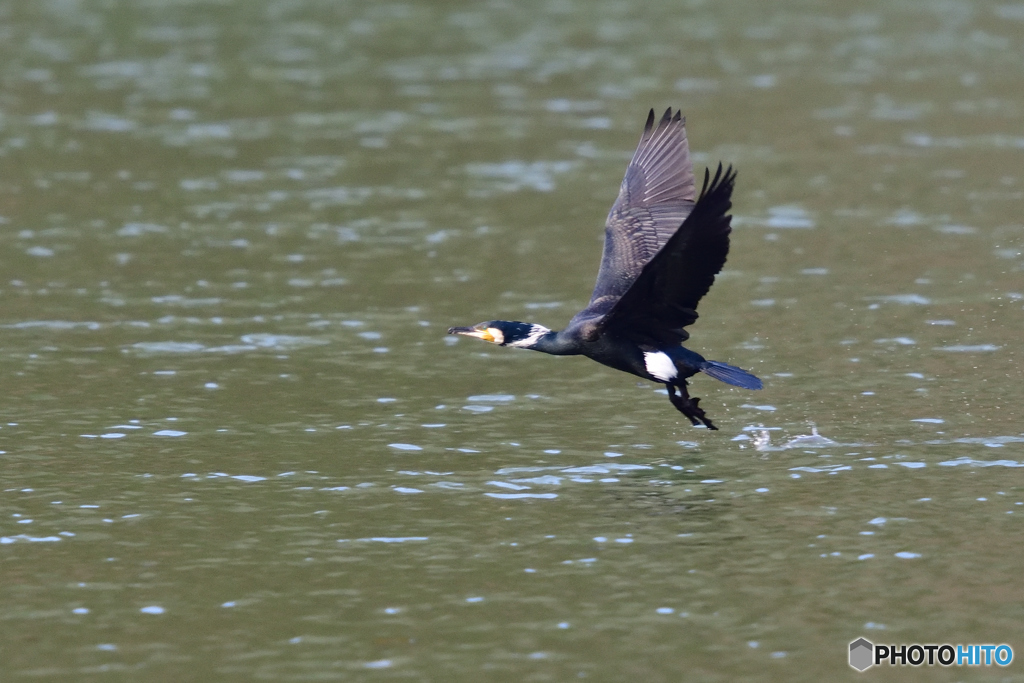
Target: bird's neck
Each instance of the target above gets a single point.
(557, 344)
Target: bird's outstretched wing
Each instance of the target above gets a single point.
(663, 298)
(655, 197)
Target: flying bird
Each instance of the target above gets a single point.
(663, 247)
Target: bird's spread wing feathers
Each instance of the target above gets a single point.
(655, 197)
(663, 298)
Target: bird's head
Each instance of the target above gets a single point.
(504, 333)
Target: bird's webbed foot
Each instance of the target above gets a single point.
(688, 406)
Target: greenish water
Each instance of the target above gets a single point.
(237, 444)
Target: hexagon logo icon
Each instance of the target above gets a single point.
(861, 651)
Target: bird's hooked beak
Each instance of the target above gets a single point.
(480, 331)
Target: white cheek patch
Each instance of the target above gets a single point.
(660, 365)
(497, 335)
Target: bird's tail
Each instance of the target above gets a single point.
(730, 374)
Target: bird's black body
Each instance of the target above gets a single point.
(663, 248)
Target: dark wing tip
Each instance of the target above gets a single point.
(719, 181)
(650, 122)
(667, 116)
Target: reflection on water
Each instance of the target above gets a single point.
(236, 438)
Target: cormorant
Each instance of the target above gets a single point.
(663, 247)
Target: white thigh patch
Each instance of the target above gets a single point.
(660, 365)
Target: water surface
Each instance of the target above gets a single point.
(236, 440)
